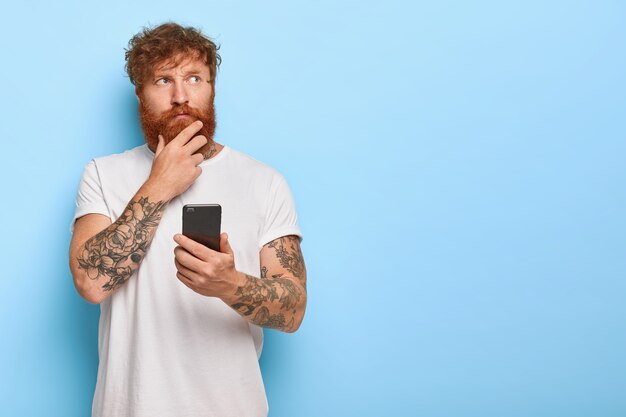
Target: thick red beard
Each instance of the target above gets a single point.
(166, 125)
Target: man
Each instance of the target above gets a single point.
(180, 326)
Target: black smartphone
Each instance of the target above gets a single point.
(202, 223)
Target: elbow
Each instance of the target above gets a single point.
(299, 317)
(86, 287)
(89, 296)
(293, 328)
(296, 324)
(86, 292)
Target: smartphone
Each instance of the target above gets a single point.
(202, 223)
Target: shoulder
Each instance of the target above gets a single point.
(129, 156)
(130, 167)
(251, 166)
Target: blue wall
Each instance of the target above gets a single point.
(459, 174)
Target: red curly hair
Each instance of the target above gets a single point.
(168, 42)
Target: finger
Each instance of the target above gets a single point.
(185, 281)
(187, 133)
(187, 259)
(196, 249)
(197, 158)
(192, 275)
(196, 143)
(225, 245)
(160, 146)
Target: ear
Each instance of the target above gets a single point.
(137, 94)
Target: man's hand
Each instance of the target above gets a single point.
(276, 300)
(204, 270)
(175, 166)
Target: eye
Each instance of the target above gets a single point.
(162, 81)
(194, 79)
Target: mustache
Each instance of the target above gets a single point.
(180, 109)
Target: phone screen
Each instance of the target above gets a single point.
(202, 223)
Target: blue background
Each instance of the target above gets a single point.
(458, 169)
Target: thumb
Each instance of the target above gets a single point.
(160, 146)
(224, 245)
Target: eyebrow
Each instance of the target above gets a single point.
(163, 73)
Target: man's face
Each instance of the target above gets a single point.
(173, 98)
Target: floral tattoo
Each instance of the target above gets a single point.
(117, 251)
(279, 292)
(290, 257)
(256, 292)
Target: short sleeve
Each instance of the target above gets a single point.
(281, 218)
(89, 198)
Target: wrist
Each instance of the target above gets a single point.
(238, 280)
(155, 192)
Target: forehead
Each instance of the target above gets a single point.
(181, 64)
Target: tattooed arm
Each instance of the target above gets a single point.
(103, 255)
(102, 263)
(276, 300)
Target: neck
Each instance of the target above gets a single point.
(211, 149)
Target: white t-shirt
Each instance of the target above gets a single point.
(165, 350)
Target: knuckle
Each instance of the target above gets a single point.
(184, 257)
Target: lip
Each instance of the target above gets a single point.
(182, 116)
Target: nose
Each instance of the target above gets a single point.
(179, 94)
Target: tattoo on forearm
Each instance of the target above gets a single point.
(290, 257)
(276, 321)
(257, 291)
(117, 251)
(274, 301)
